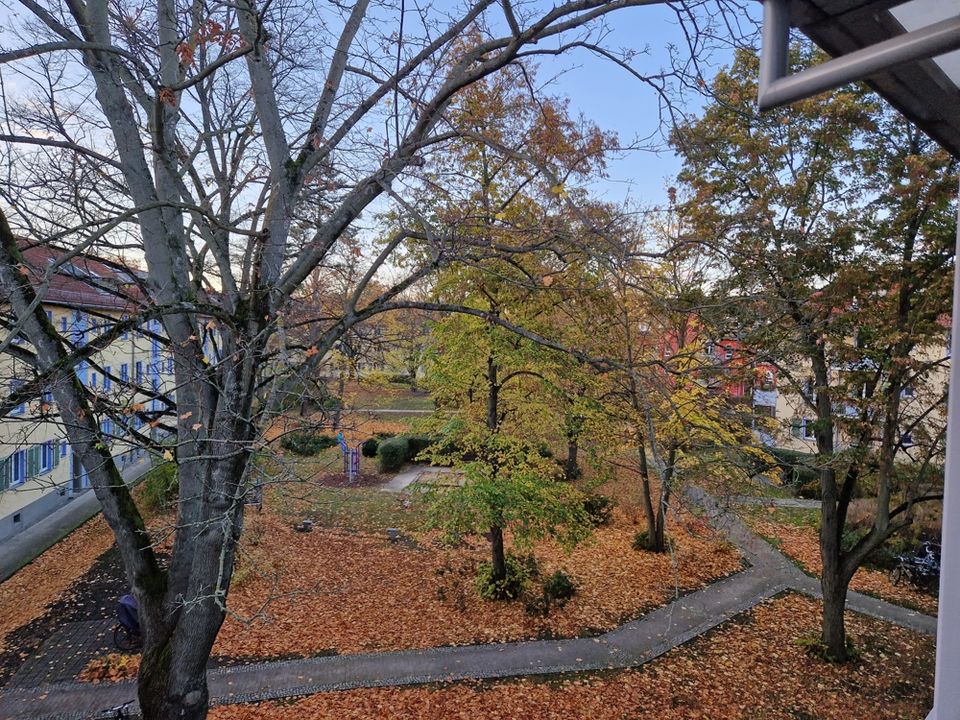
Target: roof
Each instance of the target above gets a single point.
(82, 281)
(926, 91)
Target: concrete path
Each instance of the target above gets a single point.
(413, 474)
(27, 545)
(393, 411)
(629, 645)
(777, 502)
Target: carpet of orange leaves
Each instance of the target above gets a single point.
(25, 595)
(803, 545)
(352, 592)
(749, 668)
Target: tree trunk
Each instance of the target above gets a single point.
(647, 492)
(165, 692)
(338, 404)
(493, 395)
(657, 537)
(834, 634)
(572, 471)
(498, 555)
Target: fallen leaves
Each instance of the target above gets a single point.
(110, 668)
(352, 592)
(748, 668)
(803, 545)
(24, 596)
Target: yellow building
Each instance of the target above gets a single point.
(83, 298)
(795, 418)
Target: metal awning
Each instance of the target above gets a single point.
(927, 91)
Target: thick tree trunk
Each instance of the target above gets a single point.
(166, 692)
(498, 557)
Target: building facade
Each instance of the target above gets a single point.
(128, 380)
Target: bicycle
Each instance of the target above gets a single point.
(921, 569)
(118, 712)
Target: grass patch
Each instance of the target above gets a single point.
(364, 509)
(407, 402)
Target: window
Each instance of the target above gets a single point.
(124, 372)
(93, 380)
(907, 392)
(728, 352)
(769, 381)
(63, 448)
(906, 440)
(107, 372)
(22, 407)
(46, 457)
(47, 397)
(63, 324)
(170, 365)
(126, 333)
(708, 348)
(803, 428)
(138, 371)
(50, 315)
(18, 467)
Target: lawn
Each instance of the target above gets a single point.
(751, 668)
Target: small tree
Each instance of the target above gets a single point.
(507, 486)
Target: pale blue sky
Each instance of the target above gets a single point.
(616, 101)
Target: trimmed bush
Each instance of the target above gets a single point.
(798, 469)
(518, 575)
(599, 508)
(417, 444)
(160, 487)
(307, 443)
(642, 539)
(559, 588)
(393, 453)
(369, 447)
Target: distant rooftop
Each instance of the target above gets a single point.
(83, 281)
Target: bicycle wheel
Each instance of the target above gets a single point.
(899, 574)
(125, 639)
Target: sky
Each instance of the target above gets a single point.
(614, 100)
(609, 96)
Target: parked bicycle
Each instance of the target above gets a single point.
(921, 569)
(120, 712)
(126, 635)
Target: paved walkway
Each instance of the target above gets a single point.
(777, 502)
(414, 474)
(632, 644)
(27, 545)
